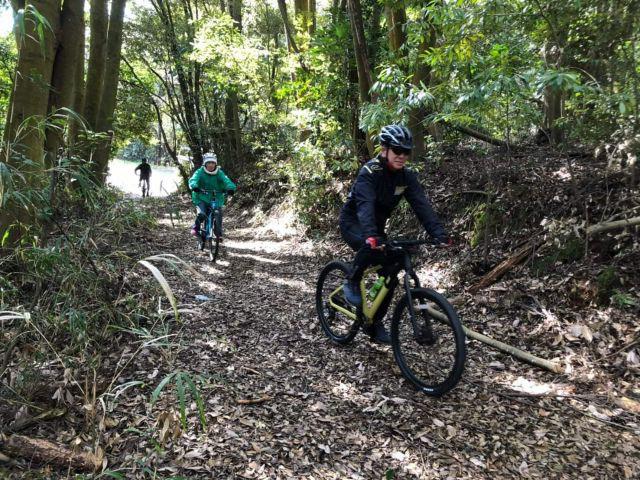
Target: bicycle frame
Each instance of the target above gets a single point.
(369, 309)
(213, 206)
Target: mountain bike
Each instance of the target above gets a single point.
(427, 337)
(208, 237)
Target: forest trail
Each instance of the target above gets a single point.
(282, 402)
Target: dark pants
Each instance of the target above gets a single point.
(365, 257)
(145, 180)
(203, 210)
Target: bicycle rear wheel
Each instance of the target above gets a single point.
(336, 324)
(432, 356)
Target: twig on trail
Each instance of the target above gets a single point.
(24, 423)
(520, 398)
(250, 370)
(630, 344)
(506, 265)
(254, 401)
(607, 422)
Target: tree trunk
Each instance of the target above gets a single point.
(362, 60)
(78, 95)
(288, 29)
(181, 64)
(23, 136)
(422, 75)
(97, 56)
(110, 87)
(311, 27)
(30, 96)
(396, 20)
(63, 88)
(232, 116)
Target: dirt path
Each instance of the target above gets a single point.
(323, 411)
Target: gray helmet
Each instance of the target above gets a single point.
(209, 157)
(396, 136)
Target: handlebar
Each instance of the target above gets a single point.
(400, 243)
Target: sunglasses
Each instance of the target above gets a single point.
(401, 151)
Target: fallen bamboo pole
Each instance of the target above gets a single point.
(516, 352)
(608, 226)
(49, 453)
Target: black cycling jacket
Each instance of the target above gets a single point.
(377, 191)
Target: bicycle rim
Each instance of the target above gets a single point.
(337, 325)
(431, 358)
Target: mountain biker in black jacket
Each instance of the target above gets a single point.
(381, 183)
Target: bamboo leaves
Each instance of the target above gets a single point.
(183, 384)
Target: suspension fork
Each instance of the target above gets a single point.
(410, 274)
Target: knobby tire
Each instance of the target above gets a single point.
(331, 277)
(450, 335)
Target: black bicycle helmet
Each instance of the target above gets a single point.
(396, 136)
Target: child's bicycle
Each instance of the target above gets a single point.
(207, 237)
(426, 335)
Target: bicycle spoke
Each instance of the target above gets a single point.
(331, 305)
(430, 352)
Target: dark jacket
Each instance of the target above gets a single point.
(145, 170)
(377, 191)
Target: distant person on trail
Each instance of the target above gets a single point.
(380, 185)
(145, 173)
(207, 183)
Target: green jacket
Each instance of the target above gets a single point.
(218, 183)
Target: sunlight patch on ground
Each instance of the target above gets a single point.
(563, 174)
(211, 268)
(207, 285)
(282, 225)
(257, 258)
(533, 387)
(435, 275)
(297, 284)
(262, 246)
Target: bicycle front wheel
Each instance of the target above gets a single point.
(214, 241)
(337, 317)
(430, 351)
(214, 248)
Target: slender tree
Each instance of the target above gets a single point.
(365, 78)
(110, 86)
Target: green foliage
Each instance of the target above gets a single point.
(569, 250)
(486, 217)
(607, 281)
(8, 59)
(183, 384)
(624, 300)
(135, 117)
(136, 150)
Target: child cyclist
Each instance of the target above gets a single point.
(209, 183)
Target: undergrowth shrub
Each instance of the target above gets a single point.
(73, 286)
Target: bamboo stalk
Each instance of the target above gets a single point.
(511, 350)
(607, 226)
